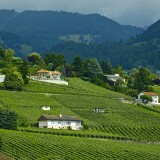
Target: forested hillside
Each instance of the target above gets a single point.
(140, 51)
(43, 29)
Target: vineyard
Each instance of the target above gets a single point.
(119, 121)
(76, 86)
(31, 146)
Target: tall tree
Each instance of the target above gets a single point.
(34, 58)
(93, 67)
(119, 70)
(23, 69)
(56, 60)
(107, 67)
(78, 66)
(142, 80)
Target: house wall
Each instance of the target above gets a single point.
(2, 78)
(45, 108)
(43, 124)
(61, 124)
(155, 99)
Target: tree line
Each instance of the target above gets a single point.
(19, 70)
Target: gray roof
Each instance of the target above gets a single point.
(58, 117)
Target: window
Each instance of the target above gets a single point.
(68, 123)
(77, 123)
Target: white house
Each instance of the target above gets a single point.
(2, 78)
(153, 95)
(45, 108)
(45, 74)
(114, 77)
(102, 110)
(59, 122)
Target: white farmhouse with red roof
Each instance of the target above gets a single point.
(153, 95)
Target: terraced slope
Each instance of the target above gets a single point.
(29, 146)
(80, 98)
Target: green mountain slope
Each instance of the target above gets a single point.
(81, 98)
(43, 29)
(140, 51)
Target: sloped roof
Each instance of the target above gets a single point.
(42, 71)
(150, 93)
(55, 72)
(57, 117)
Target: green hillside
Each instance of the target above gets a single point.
(139, 51)
(29, 146)
(43, 29)
(120, 122)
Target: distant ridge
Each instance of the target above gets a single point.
(43, 29)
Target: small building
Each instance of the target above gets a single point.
(114, 77)
(45, 108)
(102, 110)
(154, 96)
(51, 75)
(2, 78)
(42, 74)
(59, 122)
(55, 75)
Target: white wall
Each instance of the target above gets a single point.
(60, 124)
(45, 108)
(43, 124)
(2, 78)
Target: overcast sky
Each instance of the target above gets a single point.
(134, 12)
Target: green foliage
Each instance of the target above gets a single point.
(146, 98)
(54, 60)
(33, 69)
(107, 67)
(23, 69)
(142, 80)
(78, 66)
(42, 37)
(119, 70)
(50, 66)
(34, 58)
(8, 119)
(13, 80)
(120, 86)
(33, 146)
(93, 68)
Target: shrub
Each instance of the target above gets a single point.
(13, 81)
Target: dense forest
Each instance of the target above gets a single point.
(142, 50)
(85, 35)
(43, 29)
